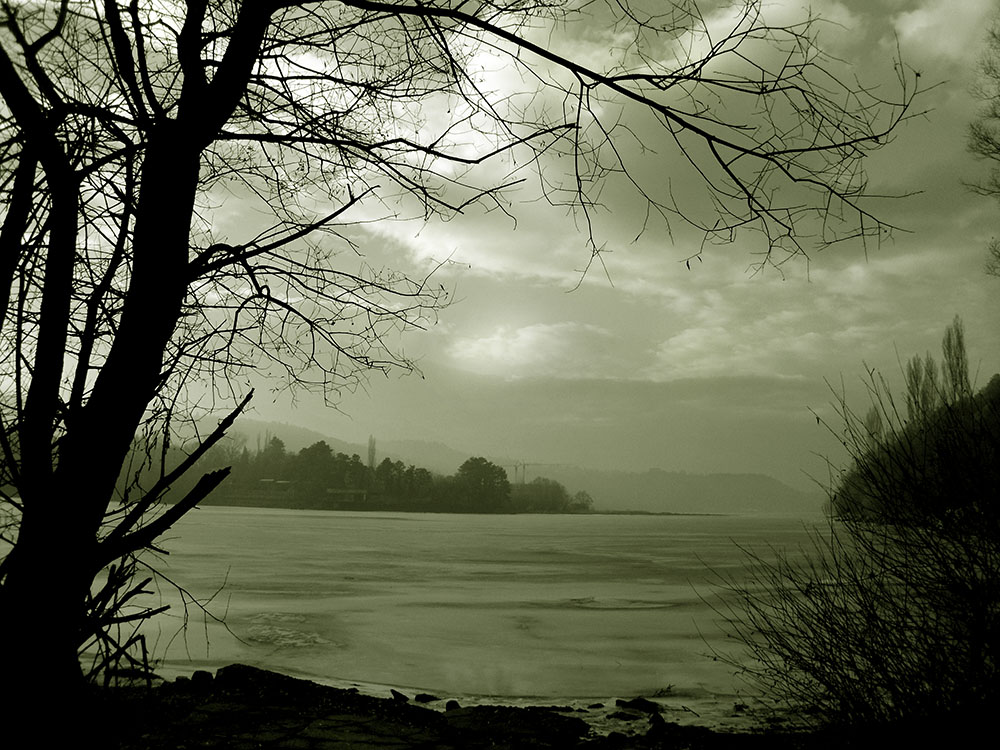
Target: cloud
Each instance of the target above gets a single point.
(708, 367)
(549, 243)
(543, 244)
(849, 311)
(565, 350)
(922, 31)
(759, 348)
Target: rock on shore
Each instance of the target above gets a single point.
(246, 707)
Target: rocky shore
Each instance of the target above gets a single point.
(245, 707)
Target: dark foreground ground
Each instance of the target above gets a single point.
(245, 707)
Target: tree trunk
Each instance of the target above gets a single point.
(49, 573)
(47, 577)
(41, 614)
(99, 441)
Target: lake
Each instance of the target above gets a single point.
(519, 608)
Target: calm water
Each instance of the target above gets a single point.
(553, 607)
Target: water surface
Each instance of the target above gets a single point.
(507, 607)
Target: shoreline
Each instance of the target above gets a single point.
(724, 713)
(270, 504)
(687, 705)
(244, 706)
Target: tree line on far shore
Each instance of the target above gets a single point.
(319, 478)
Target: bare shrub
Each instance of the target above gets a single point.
(892, 614)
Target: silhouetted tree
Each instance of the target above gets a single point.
(420, 482)
(124, 127)
(482, 484)
(313, 468)
(272, 459)
(540, 495)
(893, 615)
(581, 502)
(389, 476)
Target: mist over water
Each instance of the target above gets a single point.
(507, 606)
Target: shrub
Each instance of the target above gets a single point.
(892, 616)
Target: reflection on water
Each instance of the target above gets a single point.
(545, 606)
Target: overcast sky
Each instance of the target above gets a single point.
(711, 368)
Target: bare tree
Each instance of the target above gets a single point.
(123, 126)
(984, 131)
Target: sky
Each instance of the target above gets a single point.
(646, 362)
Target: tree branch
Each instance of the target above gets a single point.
(117, 539)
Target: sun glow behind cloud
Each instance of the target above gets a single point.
(556, 350)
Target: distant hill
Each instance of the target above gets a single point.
(435, 457)
(257, 433)
(655, 490)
